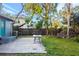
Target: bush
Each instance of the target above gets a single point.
(15, 28)
(63, 33)
(39, 24)
(76, 38)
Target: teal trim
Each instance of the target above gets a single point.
(2, 28)
(5, 27)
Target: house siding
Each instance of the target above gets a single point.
(2, 27)
(5, 27)
(8, 29)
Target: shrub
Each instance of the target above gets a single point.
(76, 38)
(39, 24)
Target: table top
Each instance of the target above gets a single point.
(37, 35)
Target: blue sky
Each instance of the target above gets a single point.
(14, 8)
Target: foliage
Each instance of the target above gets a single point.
(76, 10)
(27, 20)
(39, 24)
(34, 8)
(48, 8)
(43, 10)
(75, 17)
(66, 14)
(76, 38)
(20, 11)
(56, 24)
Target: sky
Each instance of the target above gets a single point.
(14, 8)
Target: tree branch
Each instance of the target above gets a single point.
(20, 11)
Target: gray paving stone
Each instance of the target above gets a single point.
(22, 45)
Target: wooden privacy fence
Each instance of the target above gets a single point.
(31, 31)
(37, 31)
(54, 32)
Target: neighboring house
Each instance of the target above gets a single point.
(22, 24)
(28, 26)
(6, 29)
(19, 21)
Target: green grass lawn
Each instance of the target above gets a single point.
(58, 46)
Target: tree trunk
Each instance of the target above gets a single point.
(68, 18)
(68, 26)
(47, 31)
(20, 11)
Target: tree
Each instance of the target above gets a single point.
(66, 14)
(20, 11)
(27, 21)
(46, 15)
(32, 8)
(19, 14)
(56, 24)
(41, 9)
(39, 24)
(75, 16)
(53, 12)
(48, 9)
(68, 17)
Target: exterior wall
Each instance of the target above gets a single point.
(2, 28)
(5, 27)
(8, 28)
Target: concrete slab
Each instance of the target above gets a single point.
(22, 45)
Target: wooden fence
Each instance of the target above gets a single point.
(31, 31)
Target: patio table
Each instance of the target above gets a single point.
(37, 37)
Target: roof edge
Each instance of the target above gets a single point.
(6, 18)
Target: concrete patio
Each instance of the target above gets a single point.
(22, 45)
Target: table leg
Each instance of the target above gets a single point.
(40, 39)
(34, 39)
